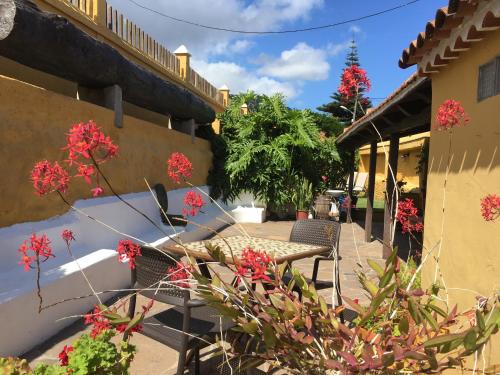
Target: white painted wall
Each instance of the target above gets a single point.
(21, 326)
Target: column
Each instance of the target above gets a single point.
(390, 196)
(370, 193)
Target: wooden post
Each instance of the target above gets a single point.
(370, 191)
(390, 196)
(113, 100)
(350, 187)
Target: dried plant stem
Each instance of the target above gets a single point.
(38, 288)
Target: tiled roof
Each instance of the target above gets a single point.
(453, 30)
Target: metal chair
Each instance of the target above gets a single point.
(188, 325)
(322, 233)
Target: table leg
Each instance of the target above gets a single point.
(202, 265)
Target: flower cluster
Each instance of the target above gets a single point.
(180, 274)
(86, 145)
(64, 355)
(408, 216)
(451, 114)
(179, 167)
(254, 263)
(67, 236)
(39, 246)
(47, 177)
(128, 250)
(490, 207)
(353, 80)
(194, 202)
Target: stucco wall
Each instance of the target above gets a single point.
(409, 154)
(470, 256)
(33, 124)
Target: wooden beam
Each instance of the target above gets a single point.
(370, 191)
(7, 15)
(403, 111)
(390, 197)
(350, 188)
(50, 43)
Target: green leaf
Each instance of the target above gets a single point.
(376, 267)
(392, 256)
(324, 306)
(134, 321)
(438, 310)
(269, 336)
(388, 359)
(403, 325)
(430, 319)
(415, 314)
(442, 340)
(250, 327)
(386, 277)
(480, 320)
(470, 340)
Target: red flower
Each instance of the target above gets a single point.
(97, 191)
(194, 202)
(179, 166)
(47, 178)
(180, 274)
(451, 114)
(346, 203)
(254, 263)
(128, 250)
(86, 171)
(39, 246)
(67, 236)
(408, 216)
(63, 355)
(99, 322)
(490, 207)
(88, 141)
(122, 327)
(352, 81)
(324, 178)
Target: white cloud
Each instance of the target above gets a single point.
(354, 29)
(333, 49)
(233, 14)
(239, 79)
(302, 62)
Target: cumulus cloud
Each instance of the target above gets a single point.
(240, 79)
(235, 14)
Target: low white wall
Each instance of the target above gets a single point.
(21, 326)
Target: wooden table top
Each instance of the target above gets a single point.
(280, 251)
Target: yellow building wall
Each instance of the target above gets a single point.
(408, 157)
(470, 252)
(33, 125)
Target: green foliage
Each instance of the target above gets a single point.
(328, 124)
(302, 193)
(402, 329)
(408, 269)
(263, 149)
(14, 366)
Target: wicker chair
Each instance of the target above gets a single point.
(185, 327)
(322, 233)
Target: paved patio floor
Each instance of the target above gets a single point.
(156, 359)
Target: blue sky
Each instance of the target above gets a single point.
(305, 66)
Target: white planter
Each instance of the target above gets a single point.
(249, 214)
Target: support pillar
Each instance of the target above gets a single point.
(350, 187)
(113, 99)
(390, 196)
(370, 191)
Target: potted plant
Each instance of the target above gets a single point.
(301, 197)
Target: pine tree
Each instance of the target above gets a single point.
(334, 106)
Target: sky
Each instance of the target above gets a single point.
(305, 66)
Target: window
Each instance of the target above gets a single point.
(489, 79)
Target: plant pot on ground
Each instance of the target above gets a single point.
(301, 197)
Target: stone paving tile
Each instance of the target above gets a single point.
(156, 359)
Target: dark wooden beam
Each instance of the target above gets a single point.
(403, 111)
(7, 15)
(390, 196)
(370, 191)
(50, 43)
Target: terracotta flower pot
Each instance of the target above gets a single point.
(301, 214)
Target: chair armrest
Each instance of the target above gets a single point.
(193, 303)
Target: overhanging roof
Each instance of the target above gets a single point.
(406, 111)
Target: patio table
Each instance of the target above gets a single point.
(280, 251)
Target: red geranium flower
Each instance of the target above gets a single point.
(39, 246)
(128, 250)
(254, 263)
(194, 202)
(99, 322)
(180, 274)
(490, 207)
(63, 355)
(97, 191)
(179, 167)
(451, 114)
(407, 216)
(47, 178)
(353, 80)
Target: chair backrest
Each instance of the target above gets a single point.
(151, 273)
(360, 181)
(317, 232)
